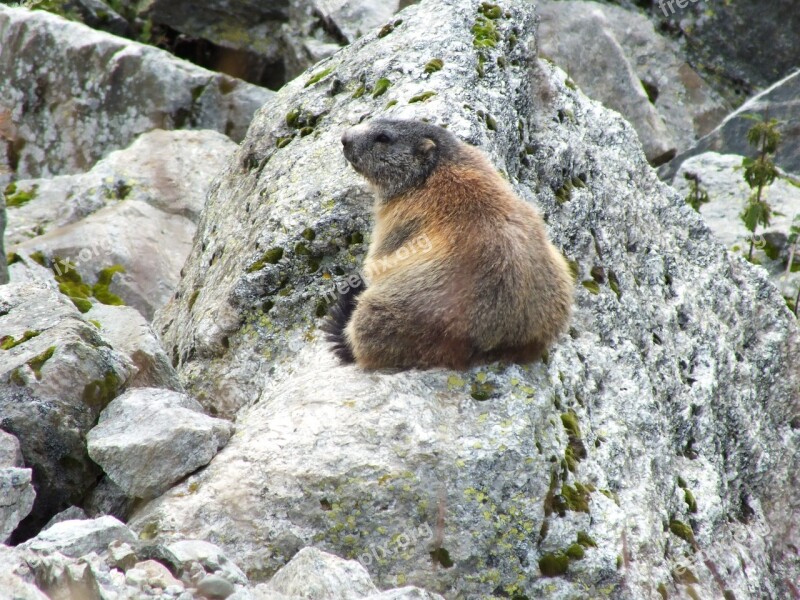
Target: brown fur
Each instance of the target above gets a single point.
(489, 287)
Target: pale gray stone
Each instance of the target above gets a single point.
(687, 105)
(16, 498)
(73, 513)
(77, 538)
(16, 578)
(171, 170)
(149, 244)
(76, 94)
(157, 575)
(148, 438)
(215, 587)
(209, 556)
(10, 454)
(580, 39)
(129, 333)
(317, 575)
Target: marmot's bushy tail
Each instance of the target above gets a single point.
(337, 320)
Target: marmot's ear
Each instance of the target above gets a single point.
(426, 146)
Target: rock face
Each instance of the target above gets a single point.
(269, 42)
(603, 70)
(148, 438)
(780, 101)
(726, 40)
(170, 170)
(656, 448)
(75, 94)
(149, 245)
(56, 374)
(643, 75)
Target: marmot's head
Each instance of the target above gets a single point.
(396, 156)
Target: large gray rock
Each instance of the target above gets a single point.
(150, 244)
(725, 40)
(171, 170)
(148, 438)
(80, 537)
(579, 38)
(780, 101)
(679, 371)
(54, 381)
(268, 42)
(76, 94)
(642, 57)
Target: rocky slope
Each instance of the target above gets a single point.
(661, 428)
(653, 453)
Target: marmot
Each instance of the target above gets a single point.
(486, 285)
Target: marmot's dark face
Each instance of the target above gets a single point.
(396, 156)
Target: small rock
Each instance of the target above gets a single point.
(128, 332)
(147, 422)
(317, 575)
(73, 513)
(10, 454)
(76, 538)
(209, 556)
(136, 577)
(121, 555)
(405, 593)
(214, 586)
(157, 574)
(16, 499)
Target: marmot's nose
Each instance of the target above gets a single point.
(346, 139)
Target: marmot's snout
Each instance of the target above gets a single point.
(349, 148)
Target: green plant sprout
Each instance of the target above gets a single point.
(697, 195)
(759, 173)
(791, 267)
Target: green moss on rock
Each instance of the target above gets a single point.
(97, 394)
(270, 257)
(554, 564)
(576, 552)
(691, 503)
(682, 530)
(421, 97)
(37, 362)
(100, 289)
(380, 87)
(319, 76)
(434, 65)
(7, 341)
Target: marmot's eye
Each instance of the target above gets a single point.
(383, 138)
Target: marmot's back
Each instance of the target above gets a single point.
(461, 270)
